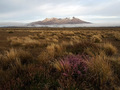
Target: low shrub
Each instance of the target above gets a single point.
(11, 32)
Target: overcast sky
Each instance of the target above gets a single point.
(31, 10)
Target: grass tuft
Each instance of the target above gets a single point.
(101, 74)
(96, 38)
(109, 49)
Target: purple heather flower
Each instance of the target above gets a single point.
(74, 65)
(65, 74)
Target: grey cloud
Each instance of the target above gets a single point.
(111, 10)
(22, 10)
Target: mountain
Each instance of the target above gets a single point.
(59, 21)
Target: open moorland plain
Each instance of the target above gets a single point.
(60, 58)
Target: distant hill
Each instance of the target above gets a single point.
(51, 21)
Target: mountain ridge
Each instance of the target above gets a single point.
(52, 21)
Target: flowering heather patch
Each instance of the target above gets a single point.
(72, 65)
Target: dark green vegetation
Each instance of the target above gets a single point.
(60, 58)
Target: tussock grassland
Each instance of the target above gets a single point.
(60, 59)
